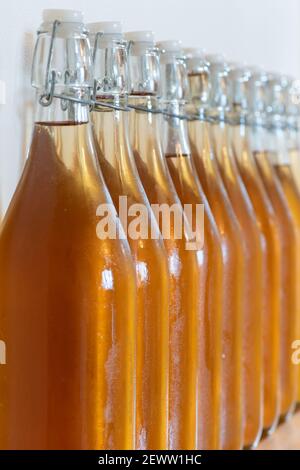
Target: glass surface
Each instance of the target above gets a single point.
(67, 305)
(286, 177)
(121, 176)
(234, 285)
(253, 293)
(186, 295)
(288, 236)
(189, 190)
(267, 224)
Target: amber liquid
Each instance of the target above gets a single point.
(121, 177)
(288, 236)
(186, 298)
(190, 191)
(292, 195)
(266, 220)
(234, 272)
(252, 308)
(67, 310)
(295, 162)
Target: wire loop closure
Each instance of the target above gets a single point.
(94, 104)
(46, 98)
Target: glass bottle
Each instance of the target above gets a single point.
(121, 176)
(177, 153)
(262, 146)
(292, 102)
(283, 140)
(292, 136)
(220, 115)
(233, 253)
(240, 134)
(186, 296)
(67, 309)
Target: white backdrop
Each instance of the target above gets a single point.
(262, 32)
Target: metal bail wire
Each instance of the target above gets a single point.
(46, 98)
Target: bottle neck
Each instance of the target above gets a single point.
(292, 138)
(239, 142)
(260, 139)
(200, 139)
(239, 132)
(64, 127)
(199, 88)
(174, 87)
(174, 130)
(62, 65)
(112, 134)
(220, 142)
(238, 98)
(67, 154)
(144, 71)
(218, 92)
(257, 101)
(279, 145)
(61, 111)
(145, 127)
(110, 67)
(276, 105)
(145, 130)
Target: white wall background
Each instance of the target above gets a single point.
(262, 32)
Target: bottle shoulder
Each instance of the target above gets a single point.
(56, 202)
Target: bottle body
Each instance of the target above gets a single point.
(295, 162)
(234, 271)
(209, 336)
(292, 195)
(292, 137)
(70, 331)
(288, 239)
(185, 304)
(252, 302)
(120, 174)
(272, 273)
(190, 191)
(282, 161)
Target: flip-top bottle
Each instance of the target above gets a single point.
(283, 140)
(264, 149)
(266, 220)
(186, 272)
(121, 176)
(220, 115)
(67, 310)
(292, 136)
(176, 149)
(233, 248)
(292, 113)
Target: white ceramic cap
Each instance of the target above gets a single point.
(255, 69)
(272, 75)
(172, 45)
(239, 69)
(258, 73)
(68, 16)
(105, 27)
(140, 36)
(215, 58)
(194, 52)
